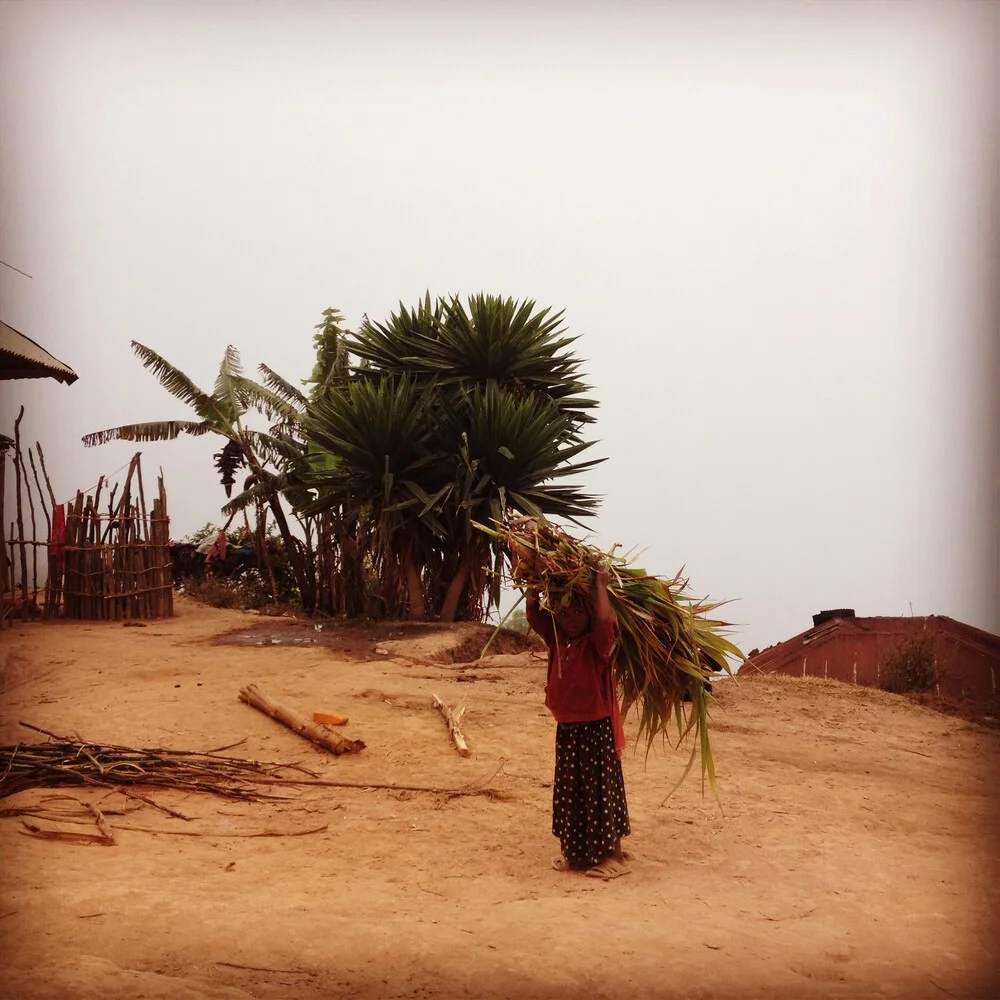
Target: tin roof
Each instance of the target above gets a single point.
(21, 357)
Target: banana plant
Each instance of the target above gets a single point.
(222, 412)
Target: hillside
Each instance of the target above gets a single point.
(854, 854)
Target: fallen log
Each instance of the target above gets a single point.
(298, 723)
(452, 718)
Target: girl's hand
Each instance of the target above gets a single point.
(602, 604)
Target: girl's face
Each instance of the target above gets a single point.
(573, 621)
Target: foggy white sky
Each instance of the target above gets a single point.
(774, 228)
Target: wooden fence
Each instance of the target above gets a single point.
(102, 566)
(117, 565)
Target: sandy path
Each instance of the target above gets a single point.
(856, 853)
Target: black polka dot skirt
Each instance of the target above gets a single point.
(589, 811)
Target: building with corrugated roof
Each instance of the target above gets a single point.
(21, 357)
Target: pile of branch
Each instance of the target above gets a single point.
(65, 761)
(76, 763)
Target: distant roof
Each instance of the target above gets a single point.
(21, 357)
(771, 657)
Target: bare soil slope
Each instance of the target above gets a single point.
(855, 853)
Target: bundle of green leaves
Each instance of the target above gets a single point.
(668, 645)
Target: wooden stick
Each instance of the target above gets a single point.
(38, 486)
(111, 512)
(20, 517)
(73, 599)
(72, 838)
(102, 823)
(139, 561)
(4, 582)
(168, 571)
(57, 588)
(34, 525)
(452, 718)
(34, 530)
(45, 473)
(49, 570)
(298, 723)
(388, 786)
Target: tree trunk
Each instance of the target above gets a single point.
(296, 560)
(304, 581)
(416, 610)
(453, 595)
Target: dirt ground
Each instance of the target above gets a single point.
(855, 853)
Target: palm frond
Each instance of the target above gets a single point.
(262, 490)
(285, 390)
(155, 430)
(274, 449)
(174, 380)
(230, 391)
(274, 405)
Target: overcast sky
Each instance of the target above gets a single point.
(773, 227)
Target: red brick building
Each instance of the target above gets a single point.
(847, 648)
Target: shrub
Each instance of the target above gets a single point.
(911, 666)
(245, 593)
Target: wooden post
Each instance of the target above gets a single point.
(72, 598)
(6, 582)
(168, 570)
(298, 723)
(55, 565)
(46, 611)
(34, 528)
(20, 517)
(141, 557)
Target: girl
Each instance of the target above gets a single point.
(589, 811)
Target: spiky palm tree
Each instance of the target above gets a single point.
(455, 415)
(382, 436)
(508, 453)
(491, 339)
(221, 412)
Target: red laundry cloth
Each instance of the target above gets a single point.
(57, 537)
(218, 549)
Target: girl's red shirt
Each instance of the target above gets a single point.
(580, 685)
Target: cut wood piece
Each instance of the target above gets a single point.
(452, 718)
(329, 719)
(298, 723)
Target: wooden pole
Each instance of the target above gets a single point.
(72, 599)
(20, 517)
(168, 571)
(141, 557)
(6, 581)
(95, 535)
(453, 718)
(57, 589)
(111, 513)
(46, 609)
(298, 723)
(125, 532)
(34, 529)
